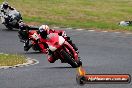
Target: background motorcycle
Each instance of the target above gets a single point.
(62, 50)
(33, 38)
(30, 37)
(12, 20)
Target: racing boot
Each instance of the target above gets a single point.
(27, 47)
(50, 57)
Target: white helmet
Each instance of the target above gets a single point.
(44, 28)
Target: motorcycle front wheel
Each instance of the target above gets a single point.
(8, 27)
(69, 59)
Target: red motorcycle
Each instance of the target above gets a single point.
(30, 39)
(33, 38)
(62, 50)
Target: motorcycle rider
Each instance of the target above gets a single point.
(24, 35)
(5, 9)
(44, 30)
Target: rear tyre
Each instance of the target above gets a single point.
(69, 59)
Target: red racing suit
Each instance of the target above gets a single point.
(42, 41)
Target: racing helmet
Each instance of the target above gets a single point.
(22, 26)
(5, 5)
(44, 30)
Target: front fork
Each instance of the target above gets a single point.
(70, 49)
(71, 43)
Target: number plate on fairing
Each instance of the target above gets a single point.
(35, 36)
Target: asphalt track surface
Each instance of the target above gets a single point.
(101, 53)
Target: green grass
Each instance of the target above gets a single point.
(11, 60)
(93, 14)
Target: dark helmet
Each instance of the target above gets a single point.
(22, 26)
(5, 5)
(23, 33)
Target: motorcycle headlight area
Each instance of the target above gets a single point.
(57, 44)
(61, 40)
(52, 48)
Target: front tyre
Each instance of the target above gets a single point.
(8, 27)
(81, 80)
(69, 59)
(79, 62)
